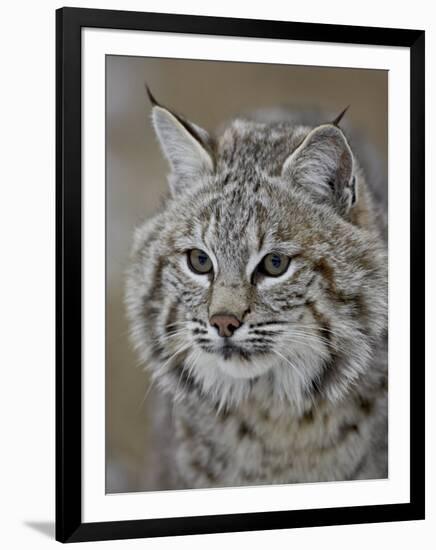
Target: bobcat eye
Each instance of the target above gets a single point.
(199, 261)
(274, 264)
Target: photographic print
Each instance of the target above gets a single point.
(247, 260)
(240, 248)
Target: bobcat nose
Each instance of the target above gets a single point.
(225, 323)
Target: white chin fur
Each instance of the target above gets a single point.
(240, 368)
(226, 381)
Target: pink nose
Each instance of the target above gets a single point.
(225, 324)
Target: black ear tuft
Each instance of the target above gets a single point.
(338, 119)
(151, 97)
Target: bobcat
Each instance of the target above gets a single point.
(257, 297)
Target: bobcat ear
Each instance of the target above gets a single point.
(323, 164)
(187, 147)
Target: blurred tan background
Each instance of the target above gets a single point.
(207, 93)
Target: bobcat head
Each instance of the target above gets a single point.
(265, 267)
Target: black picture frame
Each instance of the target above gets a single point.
(69, 525)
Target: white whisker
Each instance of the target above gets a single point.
(181, 349)
(174, 334)
(289, 363)
(147, 393)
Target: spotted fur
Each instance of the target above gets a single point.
(300, 392)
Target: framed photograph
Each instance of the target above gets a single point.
(240, 275)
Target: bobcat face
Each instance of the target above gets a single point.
(255, 268)
(244, 282)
